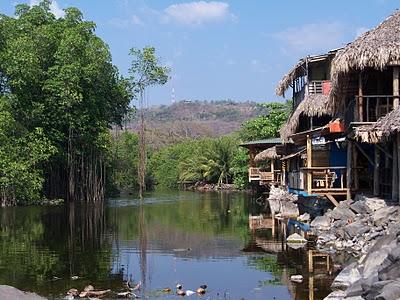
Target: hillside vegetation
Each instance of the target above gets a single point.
(168, 124)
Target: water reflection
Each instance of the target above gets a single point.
(172, 238)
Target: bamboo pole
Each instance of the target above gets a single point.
(376, 171)
(309, 164)
(398, 159)
(395, 172)
(360, 99)
(348, 169)
(396, 86)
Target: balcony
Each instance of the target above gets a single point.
(255, 174)
(325, 180)
(369, 108)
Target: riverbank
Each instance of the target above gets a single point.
(368, 229)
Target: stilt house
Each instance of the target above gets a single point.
(314, 156)
(365, 95)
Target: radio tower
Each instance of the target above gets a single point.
(173, 95)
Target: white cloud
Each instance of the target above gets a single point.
(137, 21)
(54, 7)
(134, 20)
(196, 13)
(313, 37)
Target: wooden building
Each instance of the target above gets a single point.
(365, 89)
(314, 157)
(264, 163)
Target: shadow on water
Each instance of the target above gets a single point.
(173, 237)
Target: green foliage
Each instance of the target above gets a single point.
(60, 78)
(145, 70)
(266, 126)
(240, 165)
(21, 153)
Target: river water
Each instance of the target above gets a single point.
(174, 237)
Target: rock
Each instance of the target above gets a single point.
(321, 223)
(346, 277)
(390, 267)
(381, 216)
(342, 213)
(11, 293)
(356, 228)
(373, 262)
(304, 217)
(375, 203)
(296, 278)
(335, 295)
(355, 289)
(391, 291)
(361, 208)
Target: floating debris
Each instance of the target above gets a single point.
(166, 290)
(74, 277)
(296, 278)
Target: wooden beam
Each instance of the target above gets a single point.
(309, 163)
(273, 169)
(355, 170)
(332, 199)
(384, 151)
(365, 154)
(360, 99)
(397, 136)
(396, 87)
(376, 172)
(348, 169)
(395, 172)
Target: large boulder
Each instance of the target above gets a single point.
(321, 223)
(375, 203)
(353, 229)
(342, 213)
(11, 293)
(346, 277)
(382, 215)
(361, 208)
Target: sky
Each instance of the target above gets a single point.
(217, 50)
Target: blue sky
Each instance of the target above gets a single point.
(225, 49)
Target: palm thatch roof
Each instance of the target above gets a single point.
(313, 105)
(269, 153)
(381, 130)
(376, 48)
(287, 80)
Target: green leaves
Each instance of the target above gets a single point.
(266, 126)
(145, 70)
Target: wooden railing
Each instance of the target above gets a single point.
(325, 179)
(255, 174)
(370, 108)
(315, 87)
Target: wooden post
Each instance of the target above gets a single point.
(398, 157)
(396, 87)
(311, 288)
(273, 169)
(395, 172)
(356, 182)
(348, 169)
(309, 164)
(376, 171)
(252, 155)
(310, 261)
(360, 99)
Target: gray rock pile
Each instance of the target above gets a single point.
(369, 229)
(282, 203)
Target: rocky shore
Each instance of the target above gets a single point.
(369, 230)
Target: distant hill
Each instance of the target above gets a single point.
(190, 119)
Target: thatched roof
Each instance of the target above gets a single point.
(376, 48)
(381, 130)
(269, 153)
(312, 105)
(287, 80)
